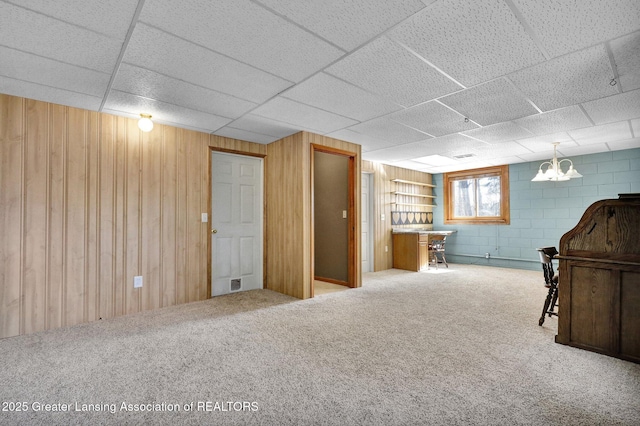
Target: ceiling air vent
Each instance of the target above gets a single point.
(463, 156)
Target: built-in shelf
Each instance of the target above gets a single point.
(413, 183)
(414, 195)
(413, 204)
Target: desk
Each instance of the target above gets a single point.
(411, 248)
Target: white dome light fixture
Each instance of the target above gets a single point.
(554, 172)
(145, 124)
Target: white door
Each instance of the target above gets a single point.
(367, 222)
(236, 223)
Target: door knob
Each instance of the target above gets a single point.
(214, 231)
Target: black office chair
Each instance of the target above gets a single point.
(550, 281)
(436, 250)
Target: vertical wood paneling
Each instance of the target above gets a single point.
(56, 220)
(120, 204)
(92, 259)
(151, 219)
(194, 192)
(132, 217)
(87, 203)
(35, 218)
(169, 208)
(106, 219)
(181, 219)
(11, 146)
(285, 227)
(75, 217)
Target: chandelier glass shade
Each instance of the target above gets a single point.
(553, 171)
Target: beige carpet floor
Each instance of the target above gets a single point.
(457, 346)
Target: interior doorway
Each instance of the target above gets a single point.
(333, 216)
(236, 223)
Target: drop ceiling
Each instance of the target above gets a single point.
(428, 85)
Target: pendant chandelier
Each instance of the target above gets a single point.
(553, 171)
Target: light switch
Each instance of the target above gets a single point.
(344, 214)
(205, 218)
(137, 281)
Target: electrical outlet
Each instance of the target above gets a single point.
(382, 216)
(137, 281)
(487, 255)
(344, 214)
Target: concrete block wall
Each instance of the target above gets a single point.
(541, 212)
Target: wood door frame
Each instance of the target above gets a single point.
(351, 210)
(209, 212)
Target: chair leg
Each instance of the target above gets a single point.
(547, 302)
(554, 300)
(444, 260)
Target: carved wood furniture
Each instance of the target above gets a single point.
(599, 267)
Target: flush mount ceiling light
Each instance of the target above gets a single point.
(145, 124)
(554, 172)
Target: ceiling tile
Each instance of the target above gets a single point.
(111, 18)
(472, 41)
(385, 68)
(36, 69)
(545, 143)
(578, 77)
(298, 114)
(602, 134)
(507, 131)
(142, 82)
(56, 40)
(499, 150)
(347, 24)
(614, 108)
(626, 54)
(625, 144)
(368, 143)
(265, 126)
(54, 95)
(243, 135)
(276, 46)
(385, 155)
(329, 93)
(555, 121)
(433, 118)
(165, 54)
(635, 125)
(583, 150)
(163, 112)
(448, 146)
(388, 130)
(490, 103)
(567, 25)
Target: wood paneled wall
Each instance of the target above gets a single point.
(383, 197)
(87, 203)
(288, 211)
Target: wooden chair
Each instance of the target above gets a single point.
(436, 250)
(550, 281)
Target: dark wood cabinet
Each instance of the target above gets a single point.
(599, 280)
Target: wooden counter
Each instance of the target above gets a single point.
(411, 249)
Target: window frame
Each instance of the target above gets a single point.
(449, 207)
